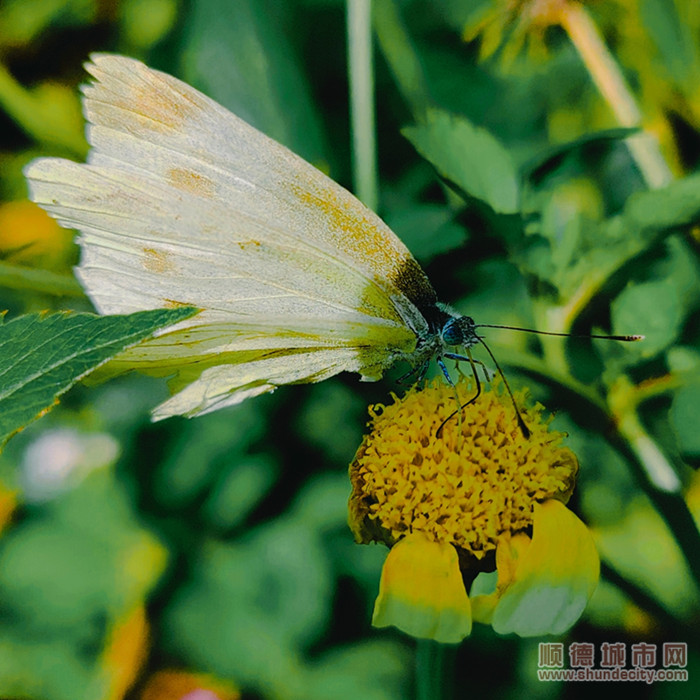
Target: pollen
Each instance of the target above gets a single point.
(469, 487)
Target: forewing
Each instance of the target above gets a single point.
(181, 202)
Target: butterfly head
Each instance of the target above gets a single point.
(459, 330)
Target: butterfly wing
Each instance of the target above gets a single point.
(181, 202)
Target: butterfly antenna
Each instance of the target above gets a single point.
(624, 338)
(521, 423)
(461, 407)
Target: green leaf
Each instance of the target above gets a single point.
(36, 668)
(685, 418)
(239, 490)
(683, 359)
(669, 27)
(427, 229)
(374, 670)
(468, 157)
(40, 281)
(86, 557)
(75, 567)
(206, 452)
(652, 309)
(252, 589)
(602, 248)
(640, 547)
(21, 21)
(43, 356)
(242, 55)
(550, 157)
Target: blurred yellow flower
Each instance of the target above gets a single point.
(8, 502)
(482, 496)
(514, 25)
(29, 236)
(125, 652)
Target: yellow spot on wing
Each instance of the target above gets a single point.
(157, 261)
(243, 245)
(362, 238)
(355, 230)
(156, 109)
(189, 181)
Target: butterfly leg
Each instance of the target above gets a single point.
(472, 363)
(444, 369)
(488, 375)
(419, 370)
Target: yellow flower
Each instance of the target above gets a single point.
(8, 503)
(29, 236)
(512, 25)
(125, 652)
(480, 497)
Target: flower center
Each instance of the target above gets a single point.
(476, 482)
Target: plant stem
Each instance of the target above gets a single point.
(622, 402)
(434, 670)
(364, 147)
(607, 76)
(656, 467)
(670, 506)
(401, 56)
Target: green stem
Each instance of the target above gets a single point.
(364, 147)
(401, 56)
(608, 78)
(434, 670)
(656, 466)
(623, 400)
(647, 602)
(670, 506)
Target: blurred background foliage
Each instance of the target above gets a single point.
(151, 561)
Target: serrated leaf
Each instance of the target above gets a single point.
(645, 220)
(468, 157)
(44, 355)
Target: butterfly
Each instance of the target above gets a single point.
(181, 202)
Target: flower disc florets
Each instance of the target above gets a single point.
(476, 482)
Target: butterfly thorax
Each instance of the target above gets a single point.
(446, 328)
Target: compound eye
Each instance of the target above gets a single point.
(452, 332)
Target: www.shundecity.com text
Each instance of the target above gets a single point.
(609, 662)
(646, 675)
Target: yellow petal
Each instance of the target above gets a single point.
(554, 576)
(422, 592)
(509, 552)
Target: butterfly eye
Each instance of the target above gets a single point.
(459, 331)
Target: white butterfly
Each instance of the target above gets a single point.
(183, 203)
